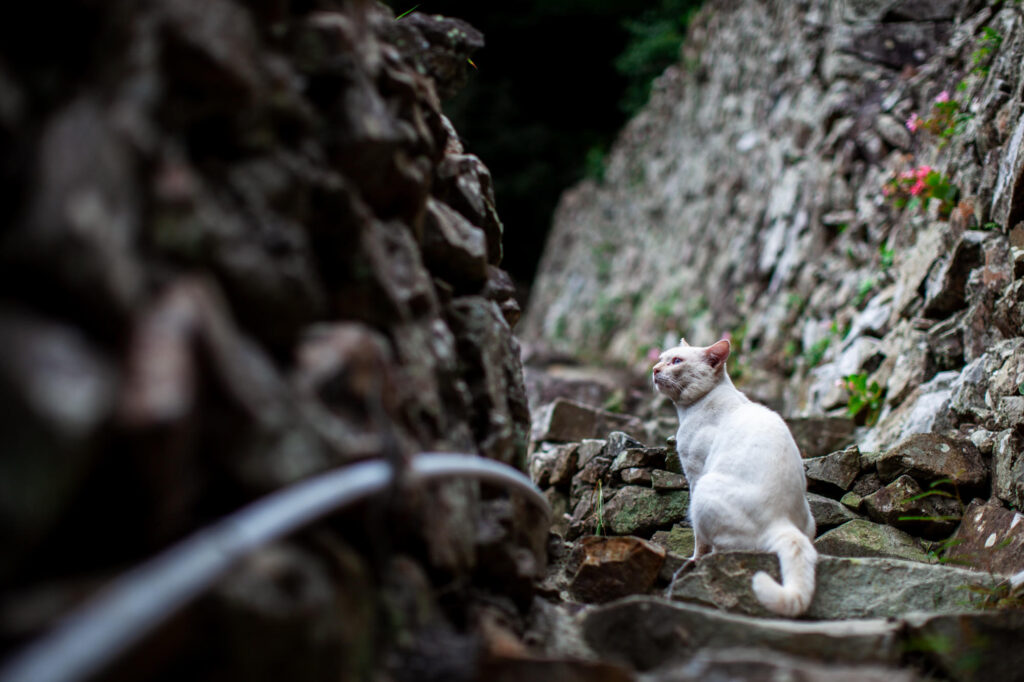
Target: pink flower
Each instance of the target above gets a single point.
(922, 173)
(886, 190)
(907, 175)
(914, 122)
(918, 188)
(942, 97)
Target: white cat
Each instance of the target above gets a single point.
(745, 473)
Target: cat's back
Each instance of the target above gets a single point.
(761, 426)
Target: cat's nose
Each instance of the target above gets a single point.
(657, 371)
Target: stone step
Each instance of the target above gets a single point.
(845, 587)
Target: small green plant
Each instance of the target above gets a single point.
(885, 255)
(864, 398)
(864, 290)
(991, 226)
(407, 12)
(945, 120)
(989, 42)
(917, 187)
(939, 552)
(599, 528)
(814, 354)
(595, 162)
(1002, 596)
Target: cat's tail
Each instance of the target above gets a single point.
(797, 559)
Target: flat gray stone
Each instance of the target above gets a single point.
(837, 470)
(828, 513)
(817, 436)
(648, 632)
(667, 480)
(930, 457)
(844, 588)
(862, 538)
(565, 420)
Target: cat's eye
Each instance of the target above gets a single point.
(675, 361)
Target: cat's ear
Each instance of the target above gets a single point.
(682, 341)
(717, 353)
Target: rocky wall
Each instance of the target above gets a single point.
(241, 245)
(750, 198)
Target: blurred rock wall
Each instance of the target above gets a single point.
(241, 245)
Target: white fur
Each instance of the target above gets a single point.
(745, 473)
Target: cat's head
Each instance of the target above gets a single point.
(686, 373)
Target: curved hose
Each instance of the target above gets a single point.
(132, 605)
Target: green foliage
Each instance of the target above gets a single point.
(814, 354)
(599, 523)
(864, 399)
(864, 290)
(595, 162)
(407, 12)
(654, 41)
(885, 255)
(989, 42)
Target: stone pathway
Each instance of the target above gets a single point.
(911, 581)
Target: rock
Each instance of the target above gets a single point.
(828, 513)
(553, 465)
(903, 504)
(1008, 468)
(861, 538)
(944, 287)
(565, 420)
(836, 471)
(607, 568)
(678, 541)
(464, 182)
(930, 457)
(990, 538)
(641, 511)
(280, 611)
(646, 633)
(970, 647)
(638, 457)
(453, 247)
(488, 355)
(852, 500)
(925, 409)
(845, 588)
(502, 291)
(57, 389)
(590, 386)
(816, 436)
(667, 480)
(764, 664)
(636, 476)
(1009, 412)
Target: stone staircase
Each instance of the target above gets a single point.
(911, 581)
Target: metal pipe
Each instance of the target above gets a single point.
(122, 613)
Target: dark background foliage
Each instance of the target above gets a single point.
(555, 82)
